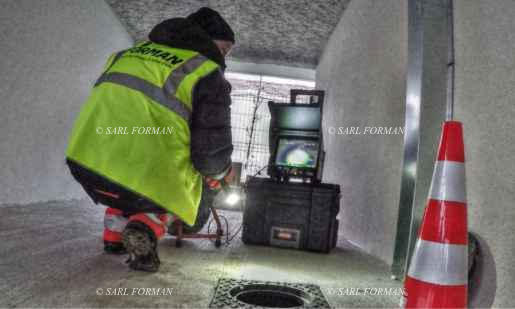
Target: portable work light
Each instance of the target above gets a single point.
(229, 198)
(232, 198)
(231, 195)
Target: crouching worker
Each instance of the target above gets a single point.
(156, 123)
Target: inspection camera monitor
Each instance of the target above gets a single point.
(297, 153)
(296, 138)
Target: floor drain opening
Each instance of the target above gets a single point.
(272, 296)
(238, 293)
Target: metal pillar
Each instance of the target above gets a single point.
(411, 135)
(429, 101)
(450, 62)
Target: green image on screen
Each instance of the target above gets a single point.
(297, 153)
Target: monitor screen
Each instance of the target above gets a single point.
(295, 117)
(294, 152)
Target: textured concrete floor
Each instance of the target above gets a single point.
(51, 256)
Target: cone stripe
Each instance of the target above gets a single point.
(437, 263)
(445, 222)
(437, 296)
(448, 182)
(451, 142)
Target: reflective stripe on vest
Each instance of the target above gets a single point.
(178, 75)
(152, 91)
(165, 95)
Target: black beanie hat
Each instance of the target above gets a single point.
(214, 24)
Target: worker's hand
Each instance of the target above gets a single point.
(229, 177)
(213, 184)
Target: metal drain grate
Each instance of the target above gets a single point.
(232, 293)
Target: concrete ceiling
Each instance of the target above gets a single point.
(285, 32)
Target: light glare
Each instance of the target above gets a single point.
(232, 199)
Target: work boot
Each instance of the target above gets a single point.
(114, 248)
(141, 244)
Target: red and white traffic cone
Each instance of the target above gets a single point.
(437, 275)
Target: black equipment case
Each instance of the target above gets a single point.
(293, 215)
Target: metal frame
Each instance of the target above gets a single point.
(407, 217)
(450, 61)
(217, 236)
(412, 134)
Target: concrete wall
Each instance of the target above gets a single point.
(485, 103)
(52, 51)
(363, 71)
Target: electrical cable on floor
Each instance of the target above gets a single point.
(235, 233)
(222, 217)
(229, 238)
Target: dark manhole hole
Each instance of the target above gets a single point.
(268, 295)
(232, 293)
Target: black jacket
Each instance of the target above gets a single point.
(211, 140)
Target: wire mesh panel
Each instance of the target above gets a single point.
(250, 117)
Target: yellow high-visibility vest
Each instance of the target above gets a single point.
(134, 127)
